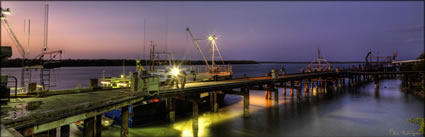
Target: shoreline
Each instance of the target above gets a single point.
(16, 63)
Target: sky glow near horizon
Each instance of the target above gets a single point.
(261, 31)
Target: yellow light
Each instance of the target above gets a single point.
(122, 84)
(105, 82)
(175, 71)
(6, 12)
(210, 38)
(3, 17)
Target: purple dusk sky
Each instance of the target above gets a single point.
(262, 31)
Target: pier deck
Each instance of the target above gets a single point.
(38, 114)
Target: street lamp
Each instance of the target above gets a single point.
(212, 37)
(175, 71)
(5, 11)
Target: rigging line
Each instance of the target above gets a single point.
(166, 30)
(29, 34)
(14, 38)
(144, 39)
(222, 61)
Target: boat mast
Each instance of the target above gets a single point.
(46, 26)
(152, 56)
(318, 58)
(213, 47)
(144, 41)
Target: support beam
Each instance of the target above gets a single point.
(88, 127)
(64, 131)
(124, 121)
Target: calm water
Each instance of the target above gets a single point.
(360, 111)
(71, 77)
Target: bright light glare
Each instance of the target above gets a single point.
(6, 12)
(175, 71)
(105, 82)
(210, 38)
(122, 84)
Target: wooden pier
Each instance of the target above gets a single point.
(43, 115)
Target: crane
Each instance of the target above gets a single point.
(11, 33)
(195, 41)
(39, 62)
(214, 50)
(367, 59)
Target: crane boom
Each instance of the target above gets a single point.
(197, 46)
(14, 38)
(216, 47)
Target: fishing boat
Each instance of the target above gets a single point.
(318, 64)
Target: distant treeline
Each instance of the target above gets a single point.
(128, 62)
(304, 62)
(117, 62)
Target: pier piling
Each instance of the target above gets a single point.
(276, 99)
(88, 127)
(305, 88)
(292, 88)
(98, 126)
(215, 101)
(245, 102)
(376, 81)
(195, 117)
(64, 131)
(52, 132)
(171, 106)
(124, 121)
